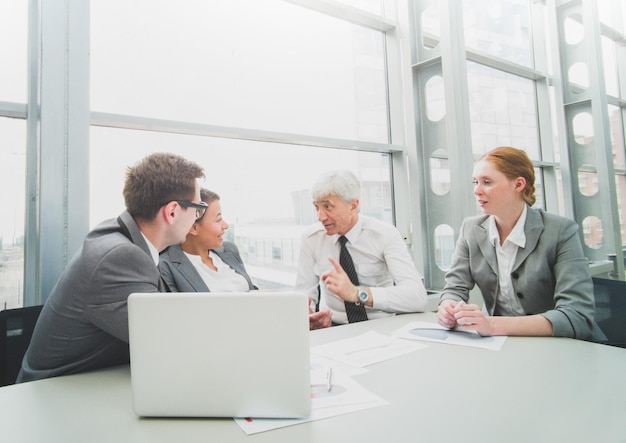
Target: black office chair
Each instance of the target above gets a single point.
(16, 330)
(610, 301)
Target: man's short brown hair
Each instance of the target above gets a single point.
(158, 179)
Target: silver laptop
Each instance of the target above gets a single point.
(220, 354)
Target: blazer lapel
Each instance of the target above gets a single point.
(484, 244)
(182, 264)
(129, 228)
(163, 287)
(532, 229)
(226, 256)
(229, 257)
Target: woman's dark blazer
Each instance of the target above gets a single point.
(180, 275)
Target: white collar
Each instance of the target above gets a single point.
(517, 235)
(154, 252)
(353, 234)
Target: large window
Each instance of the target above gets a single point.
(499, 28)
(264, 188)
(264, 65)
(12, 182)
(503, 111)
(511, 78)
(259, 71)
(13, 53)
(267, 95)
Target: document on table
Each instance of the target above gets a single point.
(339, 394)
(365, 349)
(344, 396)
(434, 332)
(320, 363)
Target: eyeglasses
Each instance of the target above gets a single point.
(200, 207)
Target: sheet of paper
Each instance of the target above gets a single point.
(425, 331)
(320, 364)
(345, 396)
(346, 357)
(365, 349)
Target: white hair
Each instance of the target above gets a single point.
(343, 184)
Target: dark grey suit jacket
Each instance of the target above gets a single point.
(84, 323)
(180, 275)
(550, 275)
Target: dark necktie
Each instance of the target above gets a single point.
(355, 312)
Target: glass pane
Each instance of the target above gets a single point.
(430, 24)
(440, 172)
(582, 125)
(549, 45)
(444, 246)
(578, 77)
(503, 111)
(266, 65)
(435, 98)
(266, 203)
(588, 180)
(573, 29)
(13, 182)
(610, 13)
(609, 58)
(13, 50)
(593, 233)
(620, 183)
(499, 28)
(554, 114)
(617, 137)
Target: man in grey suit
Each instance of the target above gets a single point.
(84, 323)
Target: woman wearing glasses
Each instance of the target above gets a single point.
(204, 261)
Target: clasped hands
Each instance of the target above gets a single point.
(452, 314)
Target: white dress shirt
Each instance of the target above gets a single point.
(507, 302)
(382, 263)
(225, 279)
(154, 252)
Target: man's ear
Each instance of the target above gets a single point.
(168, 212)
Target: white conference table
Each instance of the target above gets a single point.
(532, 390)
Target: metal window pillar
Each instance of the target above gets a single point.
(450, 136)
(596, 154)
(58, 142)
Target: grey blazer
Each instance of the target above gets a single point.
(84, 322)
(180, 275)
(550, 275)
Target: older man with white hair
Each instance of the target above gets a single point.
(354, 267)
